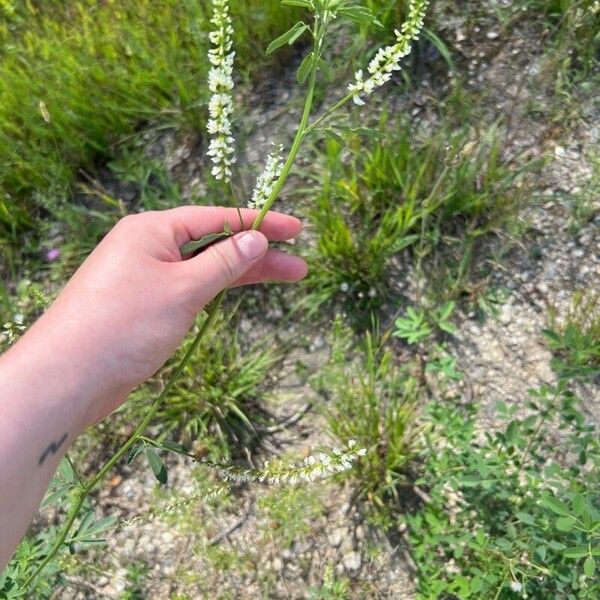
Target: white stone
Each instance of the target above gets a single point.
(352, 561)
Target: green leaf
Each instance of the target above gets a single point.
(525, 518)
(551, 336)
(300, 3)
(512, 430)
(335, 136)
(589, 567)
(289, 37)
(361, 14)
(305, 67)
(565, 523)
(578, 503)
(442, 48)
(554, 505)
(501, 407)
(100, 526)
(157, 466)
(447, 309)
(174, 447)
(133, 452)
(558, 546)
(542, 552)
(576, 552)
(204, 242)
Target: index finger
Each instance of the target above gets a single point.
(190, 223)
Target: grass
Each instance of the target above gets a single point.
(217, 401)
(78, 77)
(370, 399)
(436, 199)
(574, 337)
(289, 514)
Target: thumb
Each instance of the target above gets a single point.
(222, 264)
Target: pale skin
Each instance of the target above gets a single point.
(117, 321)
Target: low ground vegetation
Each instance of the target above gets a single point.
(410, 222)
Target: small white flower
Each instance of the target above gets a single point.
(220, 83)
(267, 179)
(344, 287)
(516, 586)
(387, 60)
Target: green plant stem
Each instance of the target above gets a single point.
(329, 112)
(94, 481)
(301, 133)
(212, 314)
(501, 586)
(77, 475)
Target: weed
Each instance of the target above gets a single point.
(290, 513)
(332, 588)
(574, 338)
(438, 197)
(419, 324)
(507, 514)
(217, 397)
(375, 402)
(136, 572)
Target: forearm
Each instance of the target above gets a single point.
(45, 403)
(116, 322)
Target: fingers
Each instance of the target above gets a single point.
(276, 266)
(221, 265)
(192, 222)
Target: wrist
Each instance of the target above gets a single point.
(54, 376)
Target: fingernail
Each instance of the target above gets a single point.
(251, 244)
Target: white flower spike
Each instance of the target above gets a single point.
(220, 83)
(310, 469)
(267, 179)
(387, 60)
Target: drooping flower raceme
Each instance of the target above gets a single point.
(220, 83)
(267, 179)
(387, 60)
(312, 468)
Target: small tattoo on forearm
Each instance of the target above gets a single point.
(52, 449)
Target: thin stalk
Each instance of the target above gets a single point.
(77, 475)
(92, 483)
(328, 113)
(74, 512)
(212, 314)
(303, 129)
(501, 586)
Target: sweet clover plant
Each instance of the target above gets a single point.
(269, 185)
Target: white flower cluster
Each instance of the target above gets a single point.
(312, 468)
(387, 60)
(267, 179)
(180, 503)
(516, 586)
(220, 83)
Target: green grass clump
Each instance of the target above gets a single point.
(574, 337)
(79, 76)
(439, 197)
(217, 399)
(372, 400)
(575, 35)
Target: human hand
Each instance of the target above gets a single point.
(130, 304)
